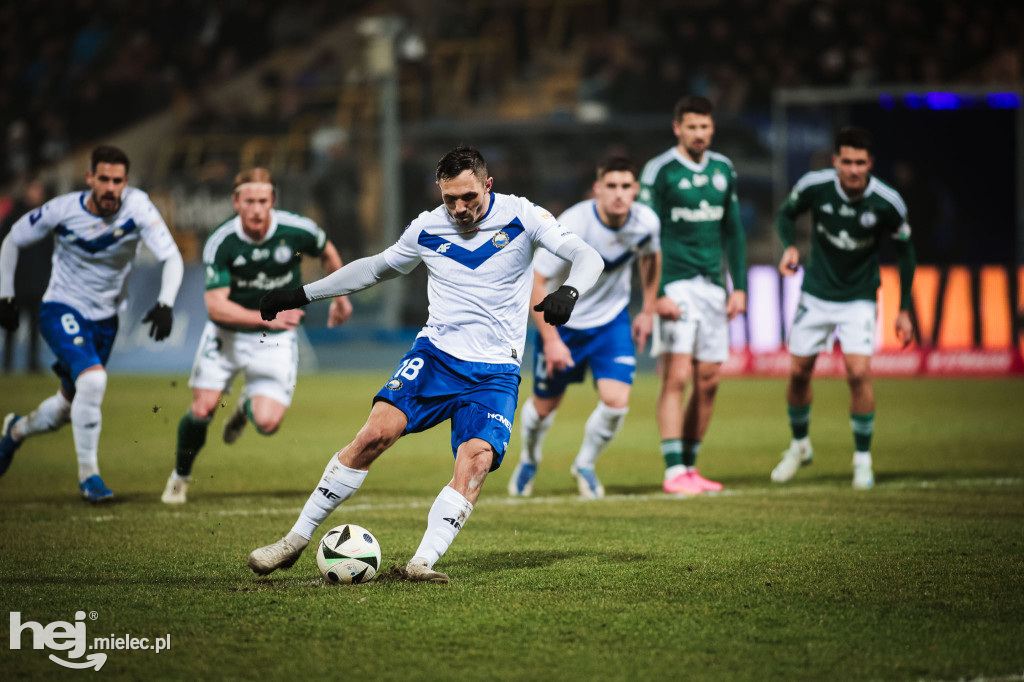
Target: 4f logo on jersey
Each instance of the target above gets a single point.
(444, 247)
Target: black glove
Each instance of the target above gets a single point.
(557, 306)
(161, 319)
(284, 299)
(9, 317)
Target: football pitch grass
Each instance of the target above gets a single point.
(921, 578)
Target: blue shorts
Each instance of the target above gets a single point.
(77, 342)
(607, 350)
(480, 398)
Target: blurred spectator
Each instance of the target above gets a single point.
(31, 277)
(335, 189)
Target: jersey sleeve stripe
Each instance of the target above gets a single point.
(654, 166)
(720, 157)
(215, 240)
(814, 178)
(893, 197)
(298, 221)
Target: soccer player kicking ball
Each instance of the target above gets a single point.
(258, 250)
(97, 236)
(850, 211)
(599, 334)
(464, 365)
(693, 191)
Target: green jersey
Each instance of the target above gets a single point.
(845, 234)
(699, 214)
(252, 269)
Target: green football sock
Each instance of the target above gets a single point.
(249, 414)
(672, 451)
(799, 420)
(863, 426)
(191, 438)
(691, 446)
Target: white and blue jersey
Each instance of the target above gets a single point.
(465, 363)
(93, 255)
(598, 334)
(480, 280)
(92, 258)
(619, 249)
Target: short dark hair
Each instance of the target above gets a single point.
(853, 136)
(107, 154)
(616, 163)
(461, 159)
(692, 104)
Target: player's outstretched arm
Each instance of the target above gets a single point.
(341, 307)
(358, 275)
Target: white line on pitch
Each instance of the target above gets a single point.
(572, 499)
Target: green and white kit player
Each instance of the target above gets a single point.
(850, 211)
(693, 191)
(257, 251)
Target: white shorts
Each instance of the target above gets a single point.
(702, 329)
(270, 362)
(852, 321)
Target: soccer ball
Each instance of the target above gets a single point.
(348, 554)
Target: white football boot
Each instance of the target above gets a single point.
(800, 453)
(281, 554)
(176, 489)
(418, 570)
(863, 477)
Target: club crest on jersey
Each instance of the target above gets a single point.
(719, 182)
(868, 219)
(282, 254)
(500, 240)
(394, 385)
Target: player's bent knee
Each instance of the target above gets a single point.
(267, 427)
(91, 385)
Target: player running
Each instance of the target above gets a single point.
(464, 365)
(258, 250)
(599, 335)
(850, 211)
(693, 191)
(97, 235)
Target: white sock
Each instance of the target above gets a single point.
(446, 518)
(52, 413)
(336, 485)
(601, 427)
(86, 420)
(674, 471)
(861, 459)
(802, 444)
(533, 429)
